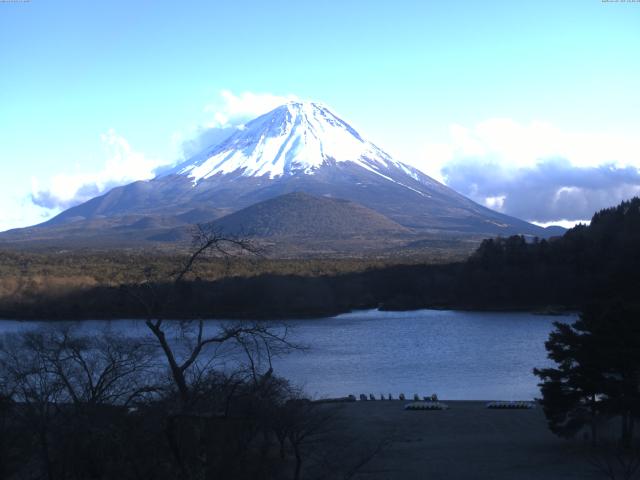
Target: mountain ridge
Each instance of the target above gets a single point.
(297, 147)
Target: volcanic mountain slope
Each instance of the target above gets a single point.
(297, 147)
(303, 215)
(299, 224)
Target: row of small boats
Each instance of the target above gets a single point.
(372, 397)
(432, 403)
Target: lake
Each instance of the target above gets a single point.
(457, 355)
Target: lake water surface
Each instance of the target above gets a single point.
(457, 355)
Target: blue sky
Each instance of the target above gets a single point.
(528, 107)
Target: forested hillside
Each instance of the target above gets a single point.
(599, 260)
(589, 262)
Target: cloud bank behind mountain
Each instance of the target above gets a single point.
(537, 171)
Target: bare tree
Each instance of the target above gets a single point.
(36, 390)
(56, 365)
(68, 388)
(258, 340)
(102, 369)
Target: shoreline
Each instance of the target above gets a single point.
(555, 311)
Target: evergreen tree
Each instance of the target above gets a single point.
(597, 373)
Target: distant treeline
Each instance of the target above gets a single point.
(599, 260)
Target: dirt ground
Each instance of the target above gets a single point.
(468, 441)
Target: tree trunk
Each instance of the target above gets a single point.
(176, 371)
(296, 451)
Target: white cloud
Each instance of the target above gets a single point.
(563, 223)
(122, 165)
(516, 145)
(223, 116)
(21, 211)
(234, 109)
(535, 170)
(524, 145)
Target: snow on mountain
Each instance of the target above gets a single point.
(298, 137)
(298, 147)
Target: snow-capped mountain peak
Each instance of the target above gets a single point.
(297, 137)
(297, 148)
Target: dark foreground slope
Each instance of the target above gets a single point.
(468, 441)
(588, 262)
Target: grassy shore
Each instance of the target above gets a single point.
(468, 441)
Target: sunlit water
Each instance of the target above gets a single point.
(457, 355)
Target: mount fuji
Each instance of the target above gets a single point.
(299, 147)
(295, 138)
